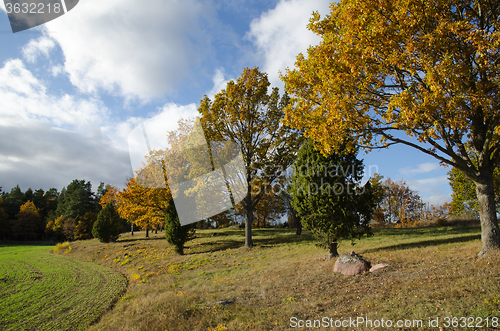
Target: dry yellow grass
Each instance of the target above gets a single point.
(433, 273)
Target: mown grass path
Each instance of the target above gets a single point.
(40, 290)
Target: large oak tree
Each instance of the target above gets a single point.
(427, 69)
(249, 113)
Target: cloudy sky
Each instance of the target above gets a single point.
(72, 90)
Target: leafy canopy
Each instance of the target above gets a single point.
(248, 113)
(427, 68)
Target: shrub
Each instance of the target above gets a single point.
(108, 225)
(175, 233)
(64, 245)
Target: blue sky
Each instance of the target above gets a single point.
(72, 89)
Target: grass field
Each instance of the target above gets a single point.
(40, 290)
(433, 273)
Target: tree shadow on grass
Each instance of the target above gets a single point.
(128, 240)
(290, 238)
(214, 246)
(261, 238)
(425, 243)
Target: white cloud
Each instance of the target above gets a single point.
(136, 50)
(56, 70)
(37, 148)
(428, 181)
(219, 83)
(421, 168)
(37, 47)
(433, 190)
(437, 200)
(15, 78)
(156, 130)
(23, 97)
(38, 156)
(281, 34)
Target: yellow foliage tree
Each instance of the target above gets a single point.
(427, 69)
(147, 196)
(249, 114)
(145, 207)
(28, 222)
(111, 195)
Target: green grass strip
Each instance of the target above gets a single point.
(45, 291)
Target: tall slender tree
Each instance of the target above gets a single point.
(250, 114)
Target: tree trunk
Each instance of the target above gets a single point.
(248, 227)
(485, 191)
(132, 228)
(299, 226)
(147, 231)
(248, 221)
(333, 250)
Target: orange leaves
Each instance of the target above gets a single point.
(28, 209)
(109, 196)
(144, 206)
(404, 65)
(27, 222)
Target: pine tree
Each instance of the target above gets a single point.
(108, 225)
(328, 198)
(175, 233)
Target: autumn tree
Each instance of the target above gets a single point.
(400, 202)
(143, 206)
(247, 113)
(379, 194)
(109, 195)
(82, 225)
(464, 198)
(220, 220)
(108, 225)
(429, 70)
(54, 228)
(328, 196)
(28, 222)
(270, 207)
(396, 202)
(146, 198)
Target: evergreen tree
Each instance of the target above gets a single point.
(13, 202)
(328, 198)
(74, 202)
(108, 225)
(175, 233)
(5, 232)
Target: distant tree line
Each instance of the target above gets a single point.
(51, 215)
